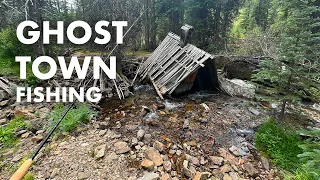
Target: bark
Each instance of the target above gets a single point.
(147, 27)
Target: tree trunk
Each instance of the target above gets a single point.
(147, 27)
(153, 26)
(35, 15)
(282, 112)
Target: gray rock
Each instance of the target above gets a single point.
(134, 141)
(254, 111)
(147, 138)
(250, 169)
(265, 163)
(3, 95)
(140, 134)
(3, 121)
(4, 103)
(237, 151)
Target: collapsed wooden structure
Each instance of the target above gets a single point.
(174, 66)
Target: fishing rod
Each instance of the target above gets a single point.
(22, 171)
(24, 168)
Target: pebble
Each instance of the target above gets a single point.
(172, 151)
(165, 176)
(82, 176)
(147, 164)
(25, 135)
(134, 141)
(234, 175)
(193, 160)
(100, 151)
(250, 169)
(265, 163)
(149, 176)
(140, 134)
(158, 146)
(167, 166)
(36, 138)
(3, 121)
(154, 155)
(147, 138)
(226, 168)
(121, 147)
(217, 160)
(186, 171)
(55, 171)
(186, 124)
(202, 176)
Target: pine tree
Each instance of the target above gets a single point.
(287, 78)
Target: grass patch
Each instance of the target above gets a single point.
(8, 134)
(300, 159)
(280, 144)
(79, 115)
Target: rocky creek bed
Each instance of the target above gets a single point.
(199, 136)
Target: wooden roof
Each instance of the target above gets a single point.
(170, 64)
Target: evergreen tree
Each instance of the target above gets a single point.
(287, 78)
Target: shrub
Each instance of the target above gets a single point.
(280, 144)
(80, 114)
(311, 153)
(299, 174)
(10, 46)
(8, 134)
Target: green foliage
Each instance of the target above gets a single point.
(81, 114)
(9, 67)
(10, 46)
(311, 153)
(299, 174)
(32, 80)
(280, 144)
(296, 68)
(29, 176)
(8, 134)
